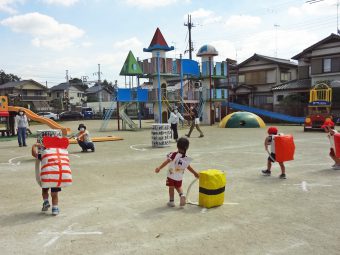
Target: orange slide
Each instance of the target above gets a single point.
(31, 115)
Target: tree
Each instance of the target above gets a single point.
(4, 78)
(79, 82)
(295, 104)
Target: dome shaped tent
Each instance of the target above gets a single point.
(242, 120)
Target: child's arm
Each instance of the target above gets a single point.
(266, 143)
(193, 171)
(35, 149)
(162, 165)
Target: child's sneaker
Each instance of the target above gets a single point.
(55, 211)
(182, 201)
(45, 206)
(171, 204)
(282, 176)
(336, 167)
(266, 172)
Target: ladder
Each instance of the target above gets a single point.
(126, 119)
(201, 107)
(107, 117)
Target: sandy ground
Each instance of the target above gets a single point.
(117, 204)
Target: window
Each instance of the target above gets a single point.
(279, 98)
(79, 94)
(326, 65)
(285, 76)
(58, 94)
(38, 93)
(241, 78)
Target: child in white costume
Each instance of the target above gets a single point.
(178, 163)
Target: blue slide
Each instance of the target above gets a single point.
(274, 115)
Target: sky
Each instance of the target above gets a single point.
(41, 39)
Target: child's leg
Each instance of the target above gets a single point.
(181, 195)
(282, 166)
(269, 164)
(171, 193)
(54, 196)
(44, 192)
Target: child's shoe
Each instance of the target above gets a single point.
(182, 201)
(45, 206)
(55, 211)
(282, 176)
(336, 167)
(171, 204)
(266, 172)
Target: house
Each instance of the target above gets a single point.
(27, 93)
(93, 92)
(321, 63)
(257, 76)
(66, 94)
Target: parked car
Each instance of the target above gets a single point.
(70, 115)
(49, 115)
(87, 112)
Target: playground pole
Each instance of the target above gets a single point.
(118, 115)
(138, 105)
(159, 89)
(210, 101)
(181, 75)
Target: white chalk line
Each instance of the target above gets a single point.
(133, 147)
(74, 155)
(66, 232)
(304, 185)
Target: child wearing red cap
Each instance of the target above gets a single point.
(328, 126)
(270, 140)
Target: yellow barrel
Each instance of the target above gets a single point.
(211, 188)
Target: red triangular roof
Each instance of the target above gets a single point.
(158, 38)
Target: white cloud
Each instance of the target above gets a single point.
(322, 8)
(8, 6)
(149, 4)
(61, 2)
(204, 17)
(47, 32)
(243, 21)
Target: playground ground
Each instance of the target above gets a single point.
(117, 204)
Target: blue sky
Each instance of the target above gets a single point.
(40, 39)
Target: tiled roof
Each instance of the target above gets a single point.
(270, 59)
(14, 84)
(294, 85)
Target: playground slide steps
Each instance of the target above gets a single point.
(273, 115)
(107, 117)
(126, 118)
(201, 107)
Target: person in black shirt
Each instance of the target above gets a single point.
(195, 121)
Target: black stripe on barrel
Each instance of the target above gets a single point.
(211, 191)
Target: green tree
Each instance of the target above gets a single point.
(79, 82)
(4, 78)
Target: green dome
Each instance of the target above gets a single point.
(242, 120)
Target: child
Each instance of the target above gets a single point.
(175, 116)
(328, 126)
(270, 140)
(83, 138)
(178, 163)
(54, 191)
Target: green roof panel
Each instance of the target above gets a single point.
(131, 66)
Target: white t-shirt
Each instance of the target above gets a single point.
(175, 117)
(178, 164)
(271, 141)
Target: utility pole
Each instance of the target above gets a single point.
(190, 25)
(100, 89)
(276, 26)
(68, 105)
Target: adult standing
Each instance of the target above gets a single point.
(21, 125)
(173, 120)
(195, 121)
